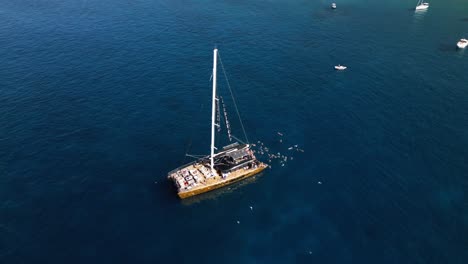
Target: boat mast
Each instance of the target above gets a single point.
(213, 109)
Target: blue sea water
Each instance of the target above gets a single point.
(100, 99)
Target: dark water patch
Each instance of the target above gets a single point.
(446, 47)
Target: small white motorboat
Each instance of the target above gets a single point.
(333, 6)
(462, 43)
(340, 67)
(422, 5)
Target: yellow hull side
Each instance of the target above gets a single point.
(215, 186)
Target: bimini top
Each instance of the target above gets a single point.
(238, 154)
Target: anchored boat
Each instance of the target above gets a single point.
(340, 67)
(462, 43)
(232, 163)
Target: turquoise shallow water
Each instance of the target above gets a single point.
(99, 99)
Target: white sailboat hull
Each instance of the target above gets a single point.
(422, 6)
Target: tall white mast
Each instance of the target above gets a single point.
(213, 108)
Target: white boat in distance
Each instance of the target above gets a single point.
(333, 6)
(340, 67)
(422, 5)
(462, 43)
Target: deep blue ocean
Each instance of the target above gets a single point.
(100, 99)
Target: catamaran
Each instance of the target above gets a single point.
(422, 5)
(222, 167)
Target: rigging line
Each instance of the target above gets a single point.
(194, 156)
(233, 99)
(234, 137)
(189, 145)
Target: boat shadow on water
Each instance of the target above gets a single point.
(217, 193)
(448, 47)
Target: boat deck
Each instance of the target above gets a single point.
(197, 175)
(217, 181)
(233, 164)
